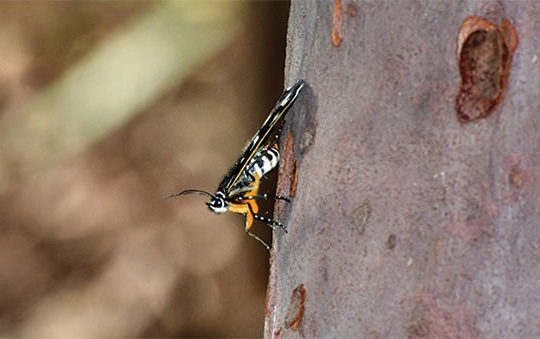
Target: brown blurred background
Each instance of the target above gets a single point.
(106, 108)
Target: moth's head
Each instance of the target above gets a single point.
(218, 204)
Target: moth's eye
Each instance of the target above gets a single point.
(218, 203)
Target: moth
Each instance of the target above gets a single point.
(239, 188)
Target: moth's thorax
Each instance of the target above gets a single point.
(218, 204)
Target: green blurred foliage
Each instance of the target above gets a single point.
(105, 108)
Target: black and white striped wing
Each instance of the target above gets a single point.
(260, 139)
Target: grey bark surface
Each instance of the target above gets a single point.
(405, 222)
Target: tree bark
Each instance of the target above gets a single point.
(405, 221)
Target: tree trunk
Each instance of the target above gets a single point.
(405, 221)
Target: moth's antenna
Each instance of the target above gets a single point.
(189, 192)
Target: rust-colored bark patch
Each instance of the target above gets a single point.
(484, 57)
(437, 245)
(516, 177)
(295, 311)
(287, 177)
(520, 176)
(337, 20)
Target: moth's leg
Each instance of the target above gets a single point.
(279, 197)
(247, 211)
(247, 226)
(253, 235)
(270, 222)
(273, 143)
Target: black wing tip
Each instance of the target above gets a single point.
(297, 86)
(291, 93)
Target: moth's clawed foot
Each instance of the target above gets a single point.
(286, 199)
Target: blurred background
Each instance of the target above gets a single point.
(106, 108)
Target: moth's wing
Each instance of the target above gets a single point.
(261, 137)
